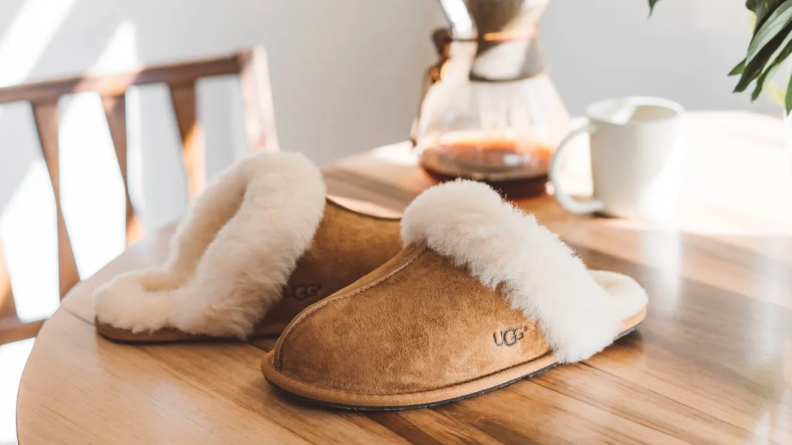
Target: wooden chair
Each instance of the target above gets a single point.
(250, 66)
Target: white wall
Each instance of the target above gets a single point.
(607, 48)
(345, 73)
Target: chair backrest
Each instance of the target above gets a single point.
(251, 66)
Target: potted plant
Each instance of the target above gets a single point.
(770, 45)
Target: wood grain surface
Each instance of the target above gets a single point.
(711, 364)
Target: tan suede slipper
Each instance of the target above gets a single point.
(481, 297)
(257, 247)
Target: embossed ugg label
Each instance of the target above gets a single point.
(302, 291)
(508, 337)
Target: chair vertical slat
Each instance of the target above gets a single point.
(46, 117)
(115, 113)
(257, 100)
(184, 105)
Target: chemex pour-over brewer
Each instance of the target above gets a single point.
(489, 110)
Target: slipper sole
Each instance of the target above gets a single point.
(390, 402)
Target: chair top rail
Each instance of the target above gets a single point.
(116, 84)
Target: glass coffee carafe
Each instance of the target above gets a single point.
(489, 110)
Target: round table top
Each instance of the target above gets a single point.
(712, 363)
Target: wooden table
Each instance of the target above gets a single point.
(711, 364)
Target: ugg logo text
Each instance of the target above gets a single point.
(508, 337)
(302, 291)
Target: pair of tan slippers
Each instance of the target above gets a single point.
(464, 295)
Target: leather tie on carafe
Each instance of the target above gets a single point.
(505, 32)
(507, 60)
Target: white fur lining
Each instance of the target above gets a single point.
(230, 256)
(580, 312)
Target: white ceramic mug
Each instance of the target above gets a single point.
(634, 158)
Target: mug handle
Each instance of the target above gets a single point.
(569, 203)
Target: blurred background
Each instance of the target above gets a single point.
(346, 77)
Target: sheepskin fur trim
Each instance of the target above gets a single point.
(470, 224)
(231, 255)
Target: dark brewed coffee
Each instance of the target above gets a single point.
(515, 170)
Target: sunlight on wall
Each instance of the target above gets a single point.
(221, 115)
(121, 52)
(28, 228)
(91, 187)
(28, 37)
(27, 215)
(13, 357)
(134, 155)
(157, 179)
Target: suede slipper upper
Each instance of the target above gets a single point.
(481, 296)
(259, 245)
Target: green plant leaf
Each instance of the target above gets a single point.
(788, 101)
(762, 9)
(738, 69)
(755, 67)
(773, 26)
(778, 57)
